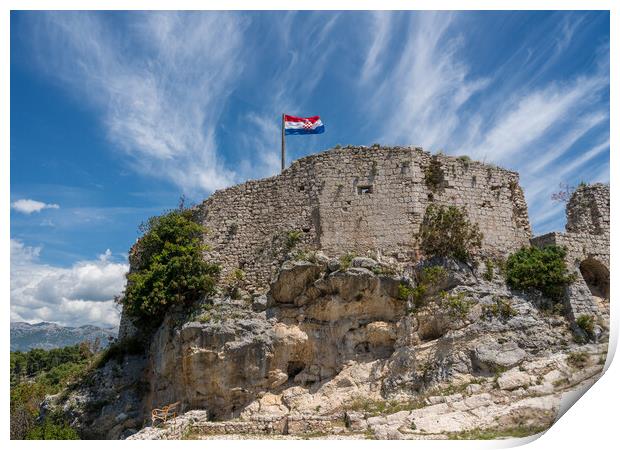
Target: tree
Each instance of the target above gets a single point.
(168, 267)
(564, 194)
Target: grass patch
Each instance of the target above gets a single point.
(303, 255)
(501, 308)
(578, 360)
(488, 434)
(378, 407)
(232, 283)
(586, 323)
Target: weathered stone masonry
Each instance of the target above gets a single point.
(587, 242)
(361, 200)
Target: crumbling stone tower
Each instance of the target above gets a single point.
(587, 243)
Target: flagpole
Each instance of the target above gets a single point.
(283, 145)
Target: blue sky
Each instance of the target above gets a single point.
(115, 115)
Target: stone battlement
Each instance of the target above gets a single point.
(364, 200)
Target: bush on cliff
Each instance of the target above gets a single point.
(543, 269)
(447, 232)
(168, 267)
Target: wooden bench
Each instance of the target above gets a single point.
(165, 413)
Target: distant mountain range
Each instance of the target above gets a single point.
(47, 335)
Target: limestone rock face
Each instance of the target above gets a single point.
(331, 334)
(325, 346)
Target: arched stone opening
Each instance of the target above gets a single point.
(596, 276)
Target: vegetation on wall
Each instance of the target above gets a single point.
(543, 269)
(433, 174)
(292, 239)
(168, 267)
(586, 323)
(447, 232)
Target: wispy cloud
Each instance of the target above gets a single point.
(517, 117)
(381, 23)
(421, 96)
(529, 116)
(164, 81)
(160, 84)
(82, 293)
(28, 206)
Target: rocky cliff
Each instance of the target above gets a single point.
(322, 342)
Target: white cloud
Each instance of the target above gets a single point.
(76, 295)
(28, 206)
(529, 116)
(262, 141)
(381, 25)
(161, 85)
(422, 95)
(525, 119)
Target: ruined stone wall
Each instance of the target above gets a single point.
(587, 242)
(361, 200)
(587, 211)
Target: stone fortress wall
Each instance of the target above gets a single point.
(361, 200)
(587, 242)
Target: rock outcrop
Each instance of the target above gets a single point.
(343, 345)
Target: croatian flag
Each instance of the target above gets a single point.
(303, 125)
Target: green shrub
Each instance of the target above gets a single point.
(429, 276)
(543, 269)
(433, 174)
(346, 259)
(447, 232)
(489, 270)
(404, 291)
(586, 323)
(456, 305)
(292, 239)
(500, 308)
(432, 275)
(37, 361)
(169, 267)
(47, 372)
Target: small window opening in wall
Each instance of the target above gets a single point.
(302, 187)
(361, 190)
